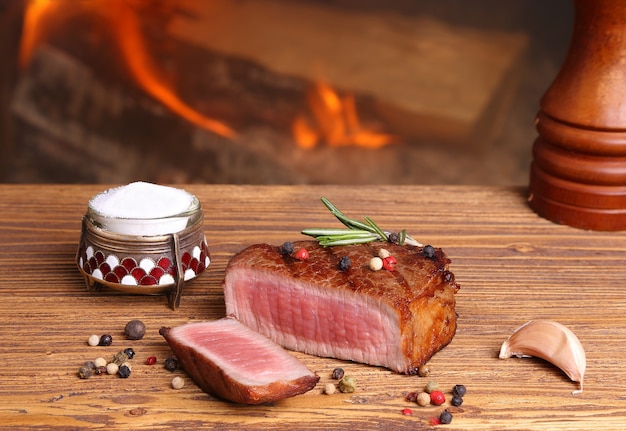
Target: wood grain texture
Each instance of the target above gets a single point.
(512, 265)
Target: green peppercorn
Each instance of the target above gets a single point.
(347, 384)
(338, 373)
(445, 417)
(431, 386)
(123, 371)
(119, 358)
(135, 329)
(85, 372)
(171, 363)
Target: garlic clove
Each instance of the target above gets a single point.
(551, 341)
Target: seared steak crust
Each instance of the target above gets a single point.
(397, 319)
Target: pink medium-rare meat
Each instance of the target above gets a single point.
(229, 360)
(393, 318)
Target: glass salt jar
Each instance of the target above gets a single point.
(138, 250)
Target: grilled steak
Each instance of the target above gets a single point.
(229, 360)
(393, 318)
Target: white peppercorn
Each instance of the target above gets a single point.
(178, 382)
(93, 340)
(376, 263)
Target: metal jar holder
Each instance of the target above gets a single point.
(139, 264)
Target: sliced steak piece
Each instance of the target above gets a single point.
(397, 319)
(229, 360)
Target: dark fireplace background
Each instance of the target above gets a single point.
(75, 115)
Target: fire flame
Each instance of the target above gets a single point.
(39, 23)
(334, 120)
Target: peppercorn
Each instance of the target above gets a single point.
(344, 263)
(178, 382)
(411, 397)
(459, 390)
(389, 263)
(130, 352)
(112, 368)
(85, 372)
(437, 398)
(407, 412)
(100, 362)
(302, 254)
(135, 329)
(456, 400)
(428, 251)
(376, 263)
(338, 373)
(100, 370)
(393, 237)
(119, 358)
(151, 360)
(445, 417)
(124, 371)
(383, 253)
(347, 384)
(423, 399)
(431, 386)
(423, 371)
(286, 248)
(105, 340)
(93, 340)
(171, 363)
(329, 389)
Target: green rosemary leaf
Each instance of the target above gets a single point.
(377, 230)
(357, 232)
(322, 231)
(402, 237)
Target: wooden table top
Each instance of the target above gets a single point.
(513, 266)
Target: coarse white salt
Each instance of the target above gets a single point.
(142, 200)
(142, 208)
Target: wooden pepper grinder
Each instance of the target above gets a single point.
(578, 173)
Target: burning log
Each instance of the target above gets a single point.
(428, 80)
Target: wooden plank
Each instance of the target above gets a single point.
(512, 265)
(429, 79)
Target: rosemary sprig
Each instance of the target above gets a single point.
(357, 232)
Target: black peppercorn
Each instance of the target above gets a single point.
(123, 372)
(129, 352)
(459, 390)
(135, 330)
(456, 400)
(171, 363)
(428, 251)
(338, 373)
(344, 263)
(105, 340)
(286, 248)
(393, 237)
(445, 417)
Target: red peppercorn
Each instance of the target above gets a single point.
(407, 412)
(151, 360)
(389, 263)
(435, 421)
(437, 398)
(302, 254)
